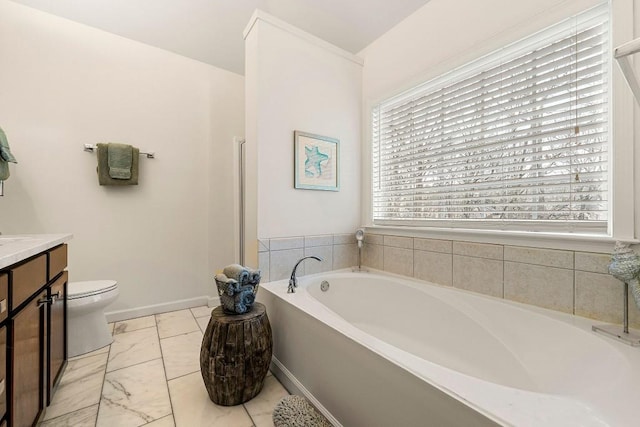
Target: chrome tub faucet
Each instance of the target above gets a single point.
(293, 280)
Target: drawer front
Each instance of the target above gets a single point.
(4, 296)
(27, 279)
(57, 260)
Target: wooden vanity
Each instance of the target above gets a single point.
(33, 285)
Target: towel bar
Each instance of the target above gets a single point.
(91, 148)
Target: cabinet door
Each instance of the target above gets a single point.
(27, 363)
(56, 320)
(3, 371)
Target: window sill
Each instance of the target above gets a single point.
(586, 242)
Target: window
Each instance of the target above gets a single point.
(518, 138)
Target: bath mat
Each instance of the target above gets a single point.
(296, 411)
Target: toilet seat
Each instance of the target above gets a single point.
(77, 290)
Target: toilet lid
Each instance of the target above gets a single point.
(93, 287)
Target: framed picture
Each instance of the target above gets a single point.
(316, 162)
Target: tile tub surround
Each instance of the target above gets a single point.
(121, 385)
(277, 256)
(569, 281)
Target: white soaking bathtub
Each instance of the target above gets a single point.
(383, 350)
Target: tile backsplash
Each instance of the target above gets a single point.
(277, 256)
(568, 281)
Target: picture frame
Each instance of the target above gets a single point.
(316, 162)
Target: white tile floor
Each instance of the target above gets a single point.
(150, 375)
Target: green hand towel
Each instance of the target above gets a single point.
(5, 156)
(103, 167)
(120, 160)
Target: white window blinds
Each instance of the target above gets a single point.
(518, 137)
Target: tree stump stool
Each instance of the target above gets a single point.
(235, 355)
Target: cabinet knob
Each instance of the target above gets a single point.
(55, 296)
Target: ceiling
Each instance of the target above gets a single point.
(211, 30)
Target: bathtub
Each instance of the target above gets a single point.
(378, 349)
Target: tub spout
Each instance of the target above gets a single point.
(293, 281)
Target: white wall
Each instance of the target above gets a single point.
(62, 85)
(227, 122)
(297, 82)
(444, 34)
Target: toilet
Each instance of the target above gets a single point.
(87, 329)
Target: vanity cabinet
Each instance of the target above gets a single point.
(35, 327)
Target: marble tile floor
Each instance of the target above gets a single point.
(150, 376)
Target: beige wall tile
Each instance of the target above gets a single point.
(541, 277)
(398, 260)
(399, 242)
(599, 296)
(286, 243)
(343, 239)
(263, 245)
(481, 250)
(282, 262)
(433, 267)
(547, 287)
(345, 256)
(372, 256)
(595, 263)
(548, 257)
(478, 275)
(312, 266)
(263, 266)
(325, 240)
(374, 239)
(433, 245)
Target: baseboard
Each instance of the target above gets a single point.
(293, 386)
(147, 310)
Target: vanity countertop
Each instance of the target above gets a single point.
(15, 248)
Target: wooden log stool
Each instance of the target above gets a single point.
(235, 355)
